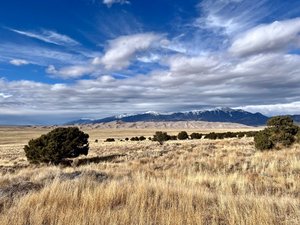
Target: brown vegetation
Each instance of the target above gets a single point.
(181, 182)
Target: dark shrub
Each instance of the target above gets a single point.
(149, 138)
(251, 133)
(160, 137)
(126, 139)
(211, 135)
(96, 141)
(297, 137)
(280, 132)
(229, 135)
(287, 139)
(218, 135)
(182, 135)
(173, 137)
(57, 145)
(142, 138)
(280, 121)
(262, 140)
(109, 140)
(196, 136)
(134, 139)
(241, 134)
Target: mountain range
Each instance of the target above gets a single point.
(210, 115)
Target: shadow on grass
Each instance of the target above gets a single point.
(97, 159)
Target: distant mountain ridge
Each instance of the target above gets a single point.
(228, 115)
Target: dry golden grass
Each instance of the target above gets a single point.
(181, 182)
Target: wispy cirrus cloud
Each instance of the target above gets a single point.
(216, 24)
(48, 36)
(39, 55)
(230, 16)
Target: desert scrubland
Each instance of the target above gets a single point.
(181, 182)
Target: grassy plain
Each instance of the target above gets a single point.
(181, 182)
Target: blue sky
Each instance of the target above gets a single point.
(61, 60)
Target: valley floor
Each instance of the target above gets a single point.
(181, 182)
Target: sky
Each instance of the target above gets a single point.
(62, 60)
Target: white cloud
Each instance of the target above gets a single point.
(292, 108)
(122, 49)
(49, 37)
(19, 62)
(268, 38)
(189, 65)
(2, 95)
(214, 21)
(175, 45)
(71, 72)
(259, 83)
(51, 70)
(109, 3)
(150, 58)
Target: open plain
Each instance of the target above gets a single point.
(124, 182)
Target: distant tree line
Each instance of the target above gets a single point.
(229, 134)
(183, 135)
(141, 138)
(161, 137)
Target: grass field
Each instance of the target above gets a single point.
(181, 182)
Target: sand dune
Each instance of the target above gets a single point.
(167, 125)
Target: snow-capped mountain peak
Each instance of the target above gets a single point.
(153, 113)
(218, 114)
(124, 115)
